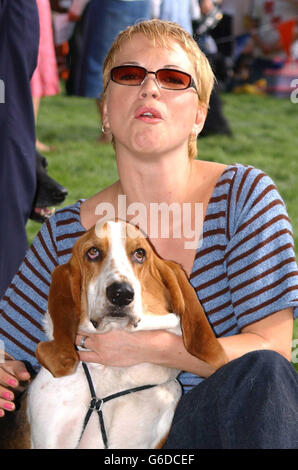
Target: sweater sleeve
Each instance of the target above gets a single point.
(23, 306)
(260, 256)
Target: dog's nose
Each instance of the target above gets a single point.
(120, 293)
(60, 192)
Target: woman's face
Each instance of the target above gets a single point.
(173, 113)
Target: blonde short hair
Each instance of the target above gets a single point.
(163, 33)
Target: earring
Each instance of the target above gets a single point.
(103, 130)
(106, 136)
(194, 134)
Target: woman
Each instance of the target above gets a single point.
(244, 271)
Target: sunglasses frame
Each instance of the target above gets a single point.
(192, 83)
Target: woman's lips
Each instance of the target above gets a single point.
(148, 114)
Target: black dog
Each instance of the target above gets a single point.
(48, 192)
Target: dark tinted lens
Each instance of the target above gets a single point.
(173, 79)
(128, 75)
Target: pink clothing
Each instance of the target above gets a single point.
(45, 80)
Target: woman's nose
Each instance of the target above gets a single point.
(150, 86)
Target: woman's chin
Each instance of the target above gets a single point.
(149, 142)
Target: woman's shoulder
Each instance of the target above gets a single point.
(64, 223)
(67, 215)
(243, 192)
(233, 174)
(234, 181)
(251, 185)
(252, 200)
(92, 207)
(59, 233)
(82, 214)
(244, 183)
(69, 208)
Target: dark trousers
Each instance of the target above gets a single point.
(19, 38)
(250, 403)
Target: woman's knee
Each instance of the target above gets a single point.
(265, 361)
(263, 367)
(228, 409)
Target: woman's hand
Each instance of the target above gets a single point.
(11, 374)
(117, 348)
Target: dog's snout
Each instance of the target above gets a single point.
(60, 191)
(120, 293)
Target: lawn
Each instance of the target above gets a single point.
(264, 135)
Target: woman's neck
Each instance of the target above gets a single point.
(159, 180)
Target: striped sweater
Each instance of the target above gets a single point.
(244, 269)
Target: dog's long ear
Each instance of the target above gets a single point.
(64, 305)
(198, 337)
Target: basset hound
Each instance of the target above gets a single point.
(114, 279)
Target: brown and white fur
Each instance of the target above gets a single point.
(80, 298)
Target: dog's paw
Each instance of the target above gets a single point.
(60, 361)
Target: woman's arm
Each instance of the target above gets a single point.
(23, 306)
(273, 332)
(122, 349)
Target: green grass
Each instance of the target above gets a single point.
(264, 135)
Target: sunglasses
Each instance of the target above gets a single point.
(170, 79)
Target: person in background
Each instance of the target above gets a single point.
(174, 10)
(102, 22)
(19, 36)
(45, 80)
(216, 122)
(265, 45)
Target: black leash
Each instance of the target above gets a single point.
(96, 404)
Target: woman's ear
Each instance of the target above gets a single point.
(104, 116)
(105, 126)
(200, 118)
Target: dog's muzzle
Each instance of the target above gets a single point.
(119, 307)
(120, 294)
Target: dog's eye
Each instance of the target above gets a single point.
(93, 254)
(139, 255)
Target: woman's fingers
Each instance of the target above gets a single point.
(7, 378)
(11, 373)
(6, 400)
(82, 340)
(89, 356)
(6, 406)
(6, 394)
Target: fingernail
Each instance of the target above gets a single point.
(25, 375)
(1, 413)
(9, 406)
(7, 396)
(13, 382)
